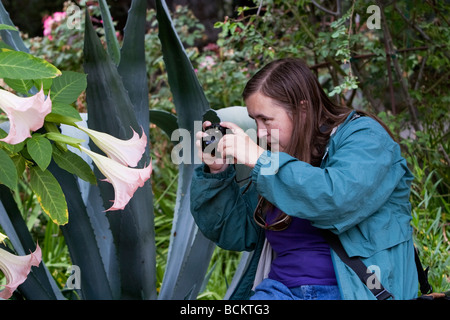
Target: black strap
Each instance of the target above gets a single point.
(357, 266)
(425, 287)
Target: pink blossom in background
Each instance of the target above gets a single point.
(50, 20)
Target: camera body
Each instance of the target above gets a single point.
(215, 133)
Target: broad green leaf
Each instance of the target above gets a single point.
(63, 113)
(49, 195)
(68, 87)
(21, 65)
(44, 83)
(19, 163)
(74, 164)
(59, 137)
(8, 172)
(19, 85)
(40, 150)
(111, 40)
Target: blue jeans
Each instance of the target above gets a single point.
(270, 289)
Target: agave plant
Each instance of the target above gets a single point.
(115, 251)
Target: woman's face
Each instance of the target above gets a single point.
(273, 122)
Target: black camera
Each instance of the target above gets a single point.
(215, 133)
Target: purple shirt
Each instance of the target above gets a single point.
(302, 255)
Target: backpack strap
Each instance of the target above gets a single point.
(425, 287)
(356, 264)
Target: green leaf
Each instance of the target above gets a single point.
(111, 40)
(40, 150)
(63, 113)
(89, 239)
(59, 137)
(19, 85)
(189, 252)
(8, 172)
(39, 285)
(10, 37)
(109, 107)
(111, 110)
(19, 163)
(67, 88)
(7, 27)
(74, 164)
(49, 195)
(44, 83)
(132, 67)
(21, 65)
(165, 120)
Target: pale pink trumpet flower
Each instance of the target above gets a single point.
(125, 180)
(24, 114)
(16, 269)
(126, 152)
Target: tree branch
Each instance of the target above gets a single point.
(404, 86)
(338, 9)
(412, 24)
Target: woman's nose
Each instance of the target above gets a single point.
(262, 132)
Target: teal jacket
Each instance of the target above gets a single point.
(360, 192)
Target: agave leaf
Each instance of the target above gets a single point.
(12, 38)
(111, 110)
(84, 242)
(132, 67)
(110, 32)
(89, 230)
(165, 120)
(189, 251)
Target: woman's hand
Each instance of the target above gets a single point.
(234, 147)
(215, 164)
(239, 146)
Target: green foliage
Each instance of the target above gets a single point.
(404, 82)
(49, 194)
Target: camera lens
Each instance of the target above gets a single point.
(215, 133)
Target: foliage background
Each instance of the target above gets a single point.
(399, 72)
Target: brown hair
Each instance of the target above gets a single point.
(292, 85)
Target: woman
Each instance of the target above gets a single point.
(335, 170)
